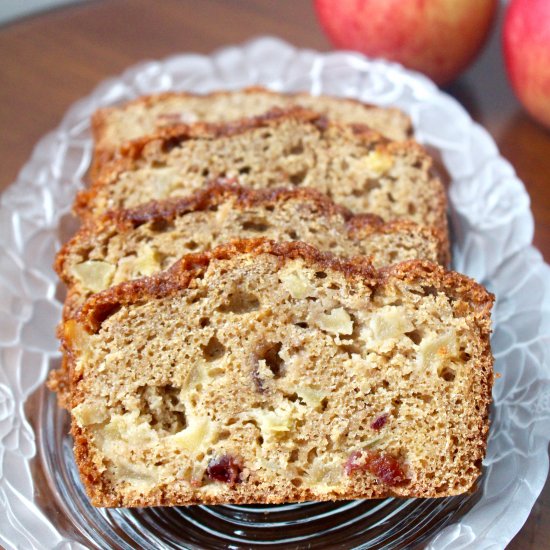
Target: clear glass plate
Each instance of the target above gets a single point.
(42, 504)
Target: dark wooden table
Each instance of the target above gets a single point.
(53, 59)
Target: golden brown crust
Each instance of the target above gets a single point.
(96, 486)
(179, 277)
(99, 306)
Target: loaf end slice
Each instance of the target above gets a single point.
(268, 373)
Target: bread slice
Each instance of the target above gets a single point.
(128, 244)
(114, 126)
(356, 167)
(265, 372)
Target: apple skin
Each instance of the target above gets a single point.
(436, 37)
(526, 42)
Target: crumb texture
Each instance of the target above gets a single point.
(265, 372)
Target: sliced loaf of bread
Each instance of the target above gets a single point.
(355, 166)
(129, 244)
(265, 372)
(114, 126)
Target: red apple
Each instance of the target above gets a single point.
(437, 37)
(526, 41)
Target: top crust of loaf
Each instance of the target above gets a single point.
(181, 275)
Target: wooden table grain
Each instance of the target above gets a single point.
(51, 60)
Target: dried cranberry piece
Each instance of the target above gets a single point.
(384, 467)
(379, 422)
(225, 468)
(351, 464)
